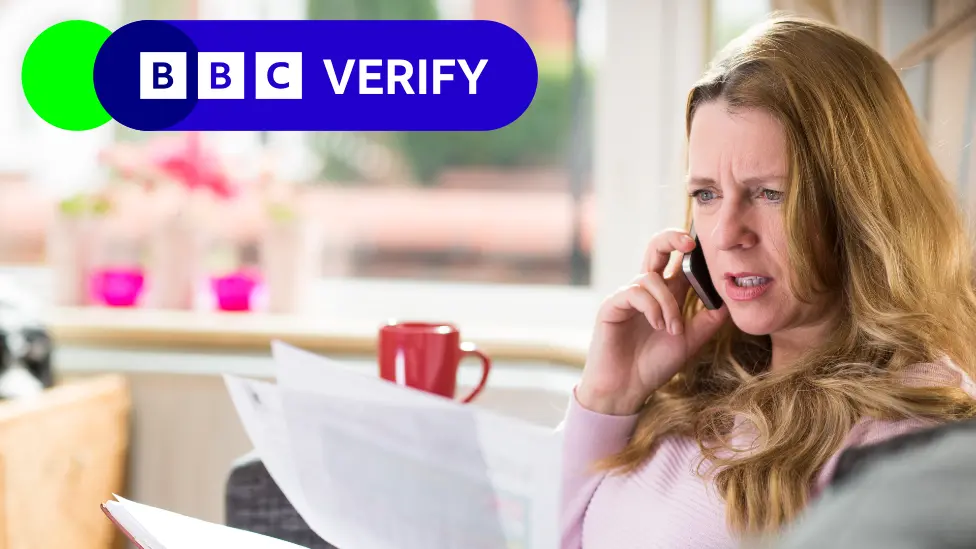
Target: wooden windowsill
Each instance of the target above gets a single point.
(250, 332)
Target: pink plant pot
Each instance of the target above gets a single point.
(117, 286)
(234, 291)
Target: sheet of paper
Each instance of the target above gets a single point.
(168, 530)
(301, 370)
(408, 470)
(258, 404)
(259, 407)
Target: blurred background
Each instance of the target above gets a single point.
(511, 206)
(165, 260)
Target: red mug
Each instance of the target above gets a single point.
(426, 356)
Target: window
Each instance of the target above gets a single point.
(730, 18)
(509, 206)
(514, 251)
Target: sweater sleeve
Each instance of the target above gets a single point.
(587, 437)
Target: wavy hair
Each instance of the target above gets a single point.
(872, 224)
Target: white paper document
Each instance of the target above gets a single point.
(260, 409)
(152, 528)
(372, 465)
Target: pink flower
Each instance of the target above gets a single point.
(181, 159)
(193, 166)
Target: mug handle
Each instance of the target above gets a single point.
(469, 349)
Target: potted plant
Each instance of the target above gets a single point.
(182, 180)
(117, 273)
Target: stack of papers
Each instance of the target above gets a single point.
(372, 465)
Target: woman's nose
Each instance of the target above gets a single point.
(732, 230)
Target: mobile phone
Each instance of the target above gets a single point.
(696, 271)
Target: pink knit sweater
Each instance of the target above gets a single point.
(664, 504)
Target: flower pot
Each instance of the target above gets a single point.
(233, 292)
(117, 286)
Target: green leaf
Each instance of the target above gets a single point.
(281, 212)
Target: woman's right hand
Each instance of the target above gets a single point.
(640, 340)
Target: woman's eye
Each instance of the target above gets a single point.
(703, 196)
(771, 195)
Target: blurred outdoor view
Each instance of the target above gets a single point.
(510, 206)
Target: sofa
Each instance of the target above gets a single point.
(911, 492)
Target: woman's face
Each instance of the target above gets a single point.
(738, 169)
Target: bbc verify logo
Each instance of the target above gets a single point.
(220, 75)
(292, 76)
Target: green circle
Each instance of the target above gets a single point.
(58, 75)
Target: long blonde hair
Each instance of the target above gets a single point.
(871, 222)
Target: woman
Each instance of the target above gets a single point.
(849, 310)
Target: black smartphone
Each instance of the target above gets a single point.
(696, 271)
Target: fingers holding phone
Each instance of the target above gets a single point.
(648, 295)
(651, 293)
(640, 340)
(668, 317)
(662, 245)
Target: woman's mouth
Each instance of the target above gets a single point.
(746, 286)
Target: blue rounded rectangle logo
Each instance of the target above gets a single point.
(315, 75)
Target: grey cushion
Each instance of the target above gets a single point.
(256, 504)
